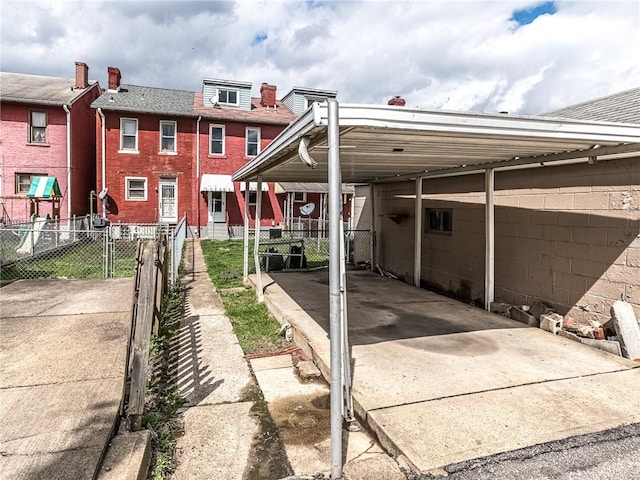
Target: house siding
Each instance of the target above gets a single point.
(569, 235)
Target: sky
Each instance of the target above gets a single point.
(520, 56)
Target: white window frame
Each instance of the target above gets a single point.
(128, 190)
(227, 91)
(224, 136)
(175, 137)
(18, 183)
(32, 134)
(128, 149)
(246, 141)
(252, 201)
(304, 197)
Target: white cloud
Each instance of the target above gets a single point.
(437, 54)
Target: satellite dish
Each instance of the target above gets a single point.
(307, 208)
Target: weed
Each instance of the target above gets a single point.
(163, 401)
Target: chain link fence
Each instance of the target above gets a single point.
(70, 248)
(299, 248)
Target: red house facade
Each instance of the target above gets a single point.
(47, 128)
(162, 153)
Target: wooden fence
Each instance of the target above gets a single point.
(151, 282)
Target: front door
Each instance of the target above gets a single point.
(217, 207)
(168, 198)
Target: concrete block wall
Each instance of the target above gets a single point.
(569, 235)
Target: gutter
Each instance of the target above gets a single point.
(66, 109)
(198, 172)
(104, 160)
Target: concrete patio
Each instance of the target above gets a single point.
(441, 382)
(62, 366)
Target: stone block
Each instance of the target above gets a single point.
(519, 315)
(627, 329)
(307, 370)
(569, 335)
(609, 346)
(500, 308)
(551, 322)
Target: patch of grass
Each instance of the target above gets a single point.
(224, 259)
(163, 401)
(80, 260)
(255, 327)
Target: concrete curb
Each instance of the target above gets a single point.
(128, 457)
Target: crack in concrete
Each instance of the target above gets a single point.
(46, 384)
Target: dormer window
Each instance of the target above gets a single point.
(227, 96)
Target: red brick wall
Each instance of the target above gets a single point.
(18, 156)
(83, 151)
(153, 165)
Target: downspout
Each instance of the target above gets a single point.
(66, 109)
(103, 154)
(198, 171)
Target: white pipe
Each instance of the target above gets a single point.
(489, 283)
(198, 172)
(66, 109)
(256, 240)
(103, 151)
(417, 254)
(335, 295)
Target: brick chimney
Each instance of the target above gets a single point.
(114, 78)
(82, 75)
(268, 95)
(397, 101)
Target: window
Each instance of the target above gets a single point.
(136, 188)
(299, 196)
(216, 140)
(438, 220)
(37, 127)
(253, 197)
(230, 97)
(167, 136)
(129, 134)
(253, 141)
(23, 181)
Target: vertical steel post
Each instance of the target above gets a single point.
(333, 135)
(417, 254)
(256, 240)
(489, 219)
(245, 237)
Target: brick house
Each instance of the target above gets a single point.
(164, 153)
(47, 128)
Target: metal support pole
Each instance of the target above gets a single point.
(372, 209)
(417, 253)
(333, 135)
(489, 218)
(256, 240)
(245, 237)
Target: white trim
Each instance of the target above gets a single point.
(128, 150)
(168, 181)
(246, 141)
(175, 138)
(224, 137)
(489, 219)
(127, 197)
(228, 89)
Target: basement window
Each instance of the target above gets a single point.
(438, 220)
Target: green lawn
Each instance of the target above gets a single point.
(80, 260)
(255, 327)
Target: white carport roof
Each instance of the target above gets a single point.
(389, 143)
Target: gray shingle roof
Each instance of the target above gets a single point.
(38, 89)
(133, 98)
(622, 107)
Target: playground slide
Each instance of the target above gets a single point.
(31, 236)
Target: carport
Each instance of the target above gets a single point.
(381, 144)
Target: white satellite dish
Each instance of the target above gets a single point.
(307, 208)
